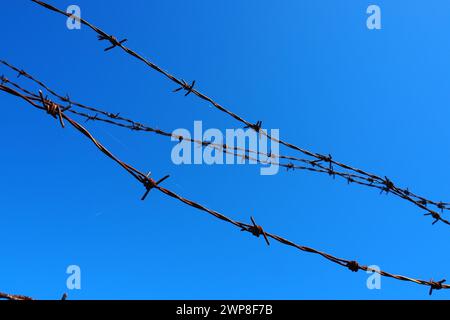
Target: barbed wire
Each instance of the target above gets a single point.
(16, 297)
(116, 119)
(135, 126)
(149, 184)
(13, 297)
(388, 185)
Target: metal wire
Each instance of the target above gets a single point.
(57, 111)
(116, 119)
(16, 297)
(13, 297)
(384, 183)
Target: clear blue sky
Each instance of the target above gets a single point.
(375, 99)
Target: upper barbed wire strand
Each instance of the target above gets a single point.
(390, 186)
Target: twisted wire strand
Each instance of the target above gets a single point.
(54, 110)
(132, 123)
(13, 297)
(16, 297)
(114, 119)
(389, 185)
(309, 165)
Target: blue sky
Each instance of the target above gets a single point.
(374, 99)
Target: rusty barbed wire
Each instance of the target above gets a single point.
(136, 126)
(389, 185)
(14, 297)
(384, 185)
(256, 230)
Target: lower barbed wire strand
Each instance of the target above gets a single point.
(254, 229)
(314, 166)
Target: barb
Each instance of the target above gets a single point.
(256, 230)
(253, 228)
(323, 165)
(186, 87)
(419, 201)
(52, 109)
(113, 40)
(150, 184)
